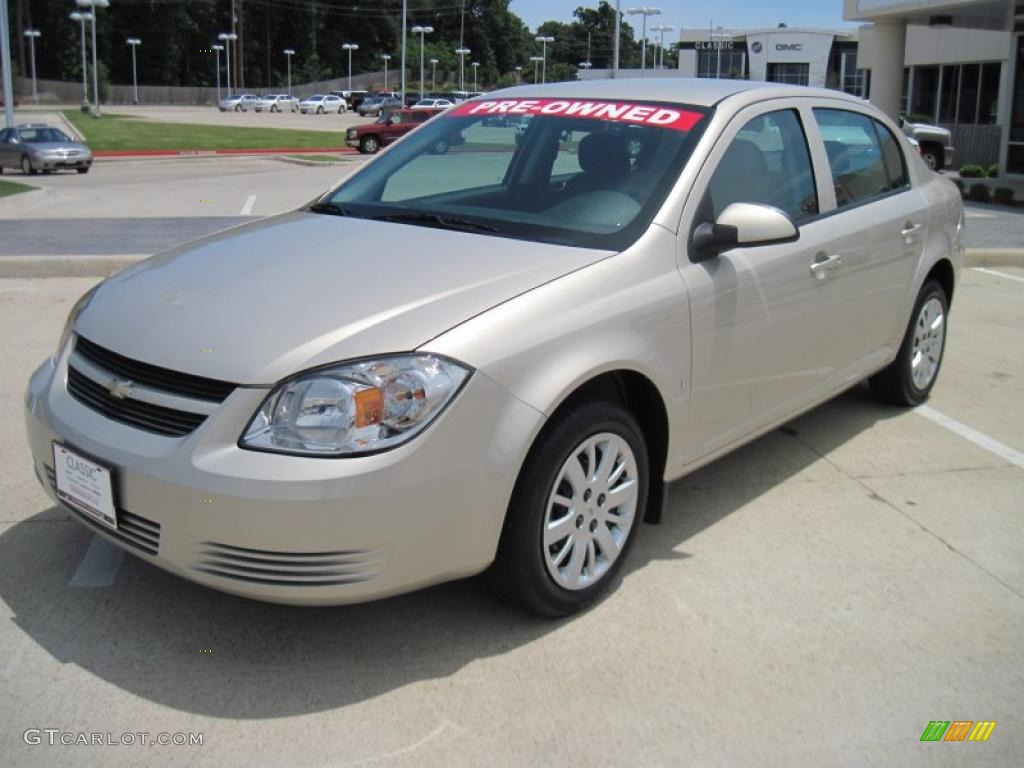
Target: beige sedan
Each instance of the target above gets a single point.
(495, 359)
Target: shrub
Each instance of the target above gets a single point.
(993, 171)
(978, 193)
(1003, 196)
(972, 172)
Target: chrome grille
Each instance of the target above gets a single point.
(134, 531)
(147, 416)
(297, 569)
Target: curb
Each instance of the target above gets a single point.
(994, 257)
(128, 154)
(64, 266)
(343, 162)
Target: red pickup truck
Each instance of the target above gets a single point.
(388, 128)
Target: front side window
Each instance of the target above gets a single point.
(586, 173)
(767, 163)
(856, 156)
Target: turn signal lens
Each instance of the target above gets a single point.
(355, 408)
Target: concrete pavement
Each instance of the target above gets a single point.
(814, 599)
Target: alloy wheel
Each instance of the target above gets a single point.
(590, 511)
(929, 335)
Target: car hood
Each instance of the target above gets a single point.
(49, 146)
(262, 301)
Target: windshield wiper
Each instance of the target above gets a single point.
(436, 220)
(326, 206)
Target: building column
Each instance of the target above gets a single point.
(890, 41)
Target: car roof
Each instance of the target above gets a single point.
(702, 92)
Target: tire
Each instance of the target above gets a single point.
(82, 170)
(931, 159)
(341, 110)
(901, 383)
(238, 107)
(319, 110)
(440, 147)
(369, 145)
(549, 577)
(26, 166)
(273, 108)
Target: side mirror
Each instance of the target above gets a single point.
(743, 225)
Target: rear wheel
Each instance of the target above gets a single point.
(26, 166)
(932, 157)
(910, 377)
(82, 170)
(574, 511)
(369, 145)
(440, 147)
(319, 110)
(273, 108)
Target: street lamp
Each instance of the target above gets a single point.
(288, 53)
(227, 38)
(585, 65)
(421, 31)
(476, 66)
(662, 29)
(32, 34)
(95, 5)
(644, 11)
(543, 40)
(463, 53)
(350, 47)
(134, 42)
(536, 63)
(386, 58)
(433, 76)
(82, 18)
(519, 74)
(216, 52)
(719, 36)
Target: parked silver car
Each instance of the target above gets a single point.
(319, 103)
(239, 102)
(555, 330)
(277, 102)
(39, 147)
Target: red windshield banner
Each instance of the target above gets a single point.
(632, 112)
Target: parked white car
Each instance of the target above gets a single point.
(433, 104)
(239, 103)
(278, 102)
(320, 103)
(540, 338)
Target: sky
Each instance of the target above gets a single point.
(690, 14)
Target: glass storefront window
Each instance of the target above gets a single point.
(926, 83)
(989, 105)
(969, 93)
(948, 89)
(794, 74)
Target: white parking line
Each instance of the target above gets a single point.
(981, 440)
(998, 274)
(971, 215)
(250, 201)
(100, 565)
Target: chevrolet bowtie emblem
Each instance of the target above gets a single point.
(121, 388)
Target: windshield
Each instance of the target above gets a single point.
(40, 135)
(584, 173)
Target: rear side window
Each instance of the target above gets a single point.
(768, 162)
(865, 159)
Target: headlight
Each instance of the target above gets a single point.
(355, 408)
(76, 310)
(352, 133)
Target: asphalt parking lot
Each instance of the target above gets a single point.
(814, 599)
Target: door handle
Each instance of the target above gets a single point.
(908, 231)
(824, 264)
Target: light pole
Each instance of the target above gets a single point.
(95, 5)
(386, 57)
(645, 11)
(227, 38)
(134, 42)
(463, 53)
(405, 13)
(544, 40)
(216, 52)
(661, 30)
(536, 64)
(5, 63)
(82, 18)
(32, 34)
(519, 74)
(288, 53)
(433, 76)
(618, 38)
(349, 47)
(476, 66)
(421, 31)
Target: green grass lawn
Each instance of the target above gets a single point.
(13, 188)
(123, 132)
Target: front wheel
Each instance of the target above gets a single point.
(82, 170)
(574, 511)
(274, 108)
(369, 145)
(910, 377)
(440, 147)
(931, 159)
(319, 110)
(26, 166)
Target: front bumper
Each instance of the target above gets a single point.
(352, 142)
(58, 163)
(298, 530)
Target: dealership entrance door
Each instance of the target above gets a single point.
(786, 72)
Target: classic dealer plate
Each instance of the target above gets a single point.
(84, 485)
